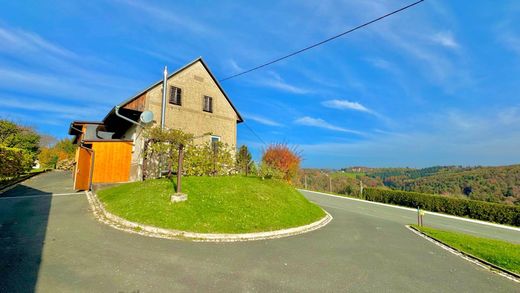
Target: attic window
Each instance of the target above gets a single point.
(208, 104)
(175, 95)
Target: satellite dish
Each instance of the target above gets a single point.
(146, 117)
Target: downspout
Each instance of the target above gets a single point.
(79, 130)
(124, 117)
(163, 106)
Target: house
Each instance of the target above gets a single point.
(110, 150)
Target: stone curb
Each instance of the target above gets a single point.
(471, 258)
(119, 223)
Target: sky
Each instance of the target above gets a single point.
(437, 84)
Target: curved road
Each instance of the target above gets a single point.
(50, 242)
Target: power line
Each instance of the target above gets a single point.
(313, 46)
(322, 42)
(253, 132)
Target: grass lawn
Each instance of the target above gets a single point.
(227, 204)
(500, 253)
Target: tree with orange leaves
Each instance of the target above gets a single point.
(282, 158)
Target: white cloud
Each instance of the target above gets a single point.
(380, 63)
(346, 105)
(62, 111)
(171, 19)
(511, 42)
(234, 66)
(262, 120)
(277, 82)
(317, 122)
(445, 39)
(19, 41)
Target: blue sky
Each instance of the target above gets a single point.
(435, 85)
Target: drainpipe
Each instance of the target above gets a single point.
(163, 107)
(124, 117)
(79, 130)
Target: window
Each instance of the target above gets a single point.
(208, 104)
(214, 142)
(215, 139)
(175, 95)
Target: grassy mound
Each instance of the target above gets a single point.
(229, 204)
(500, 253)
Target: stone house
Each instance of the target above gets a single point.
(111, 150)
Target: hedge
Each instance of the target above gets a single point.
(14, 162)
(480, 210)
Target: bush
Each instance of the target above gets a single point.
(486, 211)
(48, 157)
(14, 161)
(283, 159)
(208, 159)
(267, 172)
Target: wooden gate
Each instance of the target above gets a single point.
(82, 169)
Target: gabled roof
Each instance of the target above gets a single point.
(175, 73)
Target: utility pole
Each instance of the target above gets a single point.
(360, 188)
(330, 184)
(305, 181)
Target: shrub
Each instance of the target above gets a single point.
(267, 172)
(282, 158)
(208, 159)
(14, 161)
(48, 157)
(486, 211)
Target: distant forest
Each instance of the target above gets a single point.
(493, 184)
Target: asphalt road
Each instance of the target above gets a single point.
(50, 242)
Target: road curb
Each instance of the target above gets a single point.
(471, 258)
(121, 224)
(20, 180)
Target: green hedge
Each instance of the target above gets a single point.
(481, 210)
(14, 162)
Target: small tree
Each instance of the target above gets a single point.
(48, 157)
(165, 146)
(282, 158)
(244, 160)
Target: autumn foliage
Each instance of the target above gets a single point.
(282, 158)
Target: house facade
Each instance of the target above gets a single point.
(195, 103)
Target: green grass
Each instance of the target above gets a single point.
(500, 253)
(227, 204)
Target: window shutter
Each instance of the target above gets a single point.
(175, 95)
(207, 105)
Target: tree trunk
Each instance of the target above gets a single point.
(179, 168)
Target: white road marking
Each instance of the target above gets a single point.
(414, 210)
(40, 195)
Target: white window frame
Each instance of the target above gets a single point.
(214, 136)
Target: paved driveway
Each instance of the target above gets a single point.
(54, 244)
